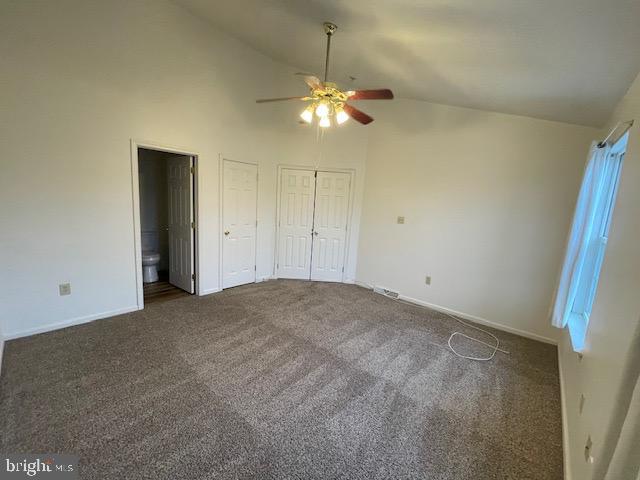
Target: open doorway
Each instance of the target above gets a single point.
(166, 250)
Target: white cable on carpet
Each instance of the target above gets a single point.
(496, 348)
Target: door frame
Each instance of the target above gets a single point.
(135, 202)
(221, 160)
(352, 180)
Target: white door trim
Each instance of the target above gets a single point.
(352, 175)
(221, 160)
(135, 202)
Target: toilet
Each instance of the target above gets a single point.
(150, 260)
(150, 255)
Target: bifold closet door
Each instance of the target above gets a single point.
(297, 188)
(240, 187)
(330, 226)
(313, 224)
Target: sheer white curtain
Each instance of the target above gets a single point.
(597, 172)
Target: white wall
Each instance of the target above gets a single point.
(343, 148)
(79, 80)
(615, 315)
(487, 199)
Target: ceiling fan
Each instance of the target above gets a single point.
(328, 101)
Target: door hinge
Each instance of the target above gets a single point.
(255, 268)
(192, 170)
(193, 276)
(315, 174)
(193, 225)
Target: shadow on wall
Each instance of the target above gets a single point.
(154, 204)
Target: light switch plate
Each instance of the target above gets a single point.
(427, 279)
(401, 220)
(65, 289)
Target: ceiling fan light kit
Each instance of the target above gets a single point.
(328, 101)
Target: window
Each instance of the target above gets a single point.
(601, 187)
(588, 240)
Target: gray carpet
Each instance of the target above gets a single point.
(282, 380)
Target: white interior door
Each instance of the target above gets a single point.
(240, 186)
(180, 182)
(330, 226)
(295, 223)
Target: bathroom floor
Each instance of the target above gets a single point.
(162, 290)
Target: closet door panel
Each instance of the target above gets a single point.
(330, 227)
(295, 223)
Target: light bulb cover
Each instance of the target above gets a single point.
(325, 122)
(307, 114)
(341, 116)
(322, 110)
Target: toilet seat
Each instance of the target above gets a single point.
(149, 258)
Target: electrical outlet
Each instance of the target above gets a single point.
(427, 280)
(65, 289)
(588, 447)
(582, 399)
(400, 220)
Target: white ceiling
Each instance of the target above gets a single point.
(566, 60)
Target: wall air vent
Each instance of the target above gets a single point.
(386, 292)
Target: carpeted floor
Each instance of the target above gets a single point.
(282, 380)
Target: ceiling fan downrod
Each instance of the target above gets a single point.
(327, 100)
(329, 29)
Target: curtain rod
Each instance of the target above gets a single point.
(628, 123)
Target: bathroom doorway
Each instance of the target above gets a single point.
(166, 223)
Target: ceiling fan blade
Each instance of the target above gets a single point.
(265, 100)
(357, 115)
(380, 94)
(313, 82)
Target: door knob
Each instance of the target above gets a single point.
(226, 232)
(315, 233)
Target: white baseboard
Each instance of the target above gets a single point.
(472, 318)
(566, 451)
(70, 323)
(209, 291)
(265, 278)
(483, 321)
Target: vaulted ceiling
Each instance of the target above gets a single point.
(565, 60)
